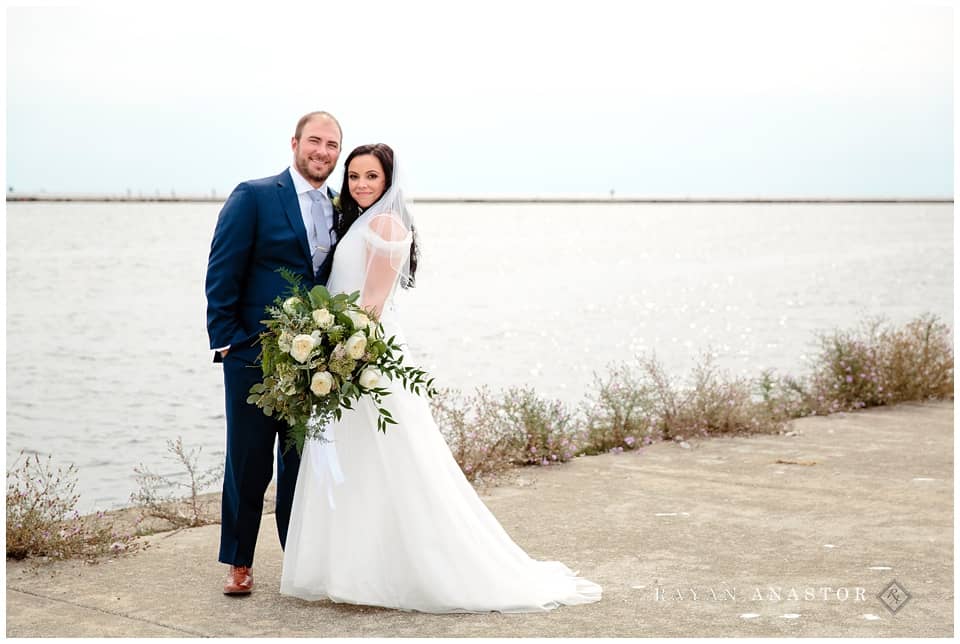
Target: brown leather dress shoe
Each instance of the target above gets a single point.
(239, 581)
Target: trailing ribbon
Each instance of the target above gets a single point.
(326, 465)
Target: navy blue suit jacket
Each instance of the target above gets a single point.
(259, 230)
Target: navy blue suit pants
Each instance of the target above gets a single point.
(249, 465)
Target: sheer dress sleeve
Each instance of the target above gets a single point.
(387, 247)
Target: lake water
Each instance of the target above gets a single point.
(107, 349)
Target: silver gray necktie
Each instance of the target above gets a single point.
(321, 242)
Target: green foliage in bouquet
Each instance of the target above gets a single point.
(320, 354)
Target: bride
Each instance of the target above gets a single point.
(389, 519)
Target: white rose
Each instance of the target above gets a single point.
(323, 318)
(360, 321)
(284, 341)
(321, 383)
(301, 347)
(356, 345)
(369, 377)
(290, 306)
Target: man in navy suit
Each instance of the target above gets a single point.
(284, 221)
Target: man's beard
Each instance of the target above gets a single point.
(303, 165)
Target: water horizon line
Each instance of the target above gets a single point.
(440, 198)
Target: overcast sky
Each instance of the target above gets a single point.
(680, 98)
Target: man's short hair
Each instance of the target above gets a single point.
(306, 118)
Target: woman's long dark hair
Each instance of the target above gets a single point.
(350, 209)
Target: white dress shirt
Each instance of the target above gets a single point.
(302, 186)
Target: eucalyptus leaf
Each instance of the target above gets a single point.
(319, 295)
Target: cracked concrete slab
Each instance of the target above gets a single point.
(728, 538)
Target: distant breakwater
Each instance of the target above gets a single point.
(446, 199)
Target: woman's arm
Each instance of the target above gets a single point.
(387, 245)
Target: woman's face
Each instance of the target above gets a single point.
(366, 179)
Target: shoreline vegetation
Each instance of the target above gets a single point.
(610, 198)
(631, 405)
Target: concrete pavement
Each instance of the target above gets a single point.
(706, 541)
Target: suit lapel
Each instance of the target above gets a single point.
(291, 208)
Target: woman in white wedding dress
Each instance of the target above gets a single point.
(389, 519)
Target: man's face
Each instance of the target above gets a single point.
(317, 151)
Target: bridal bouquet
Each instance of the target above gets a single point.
(319, 353)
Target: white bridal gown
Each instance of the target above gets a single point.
(389, 519)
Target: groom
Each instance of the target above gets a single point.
(283, 221)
